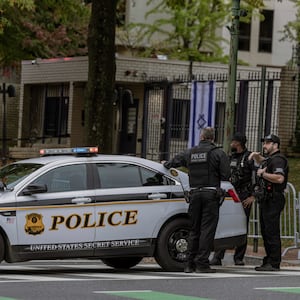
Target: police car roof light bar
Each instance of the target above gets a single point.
(76, 150)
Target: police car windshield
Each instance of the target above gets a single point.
(11, 174)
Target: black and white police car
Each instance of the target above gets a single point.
(115, 208)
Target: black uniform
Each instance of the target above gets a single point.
(242, 178)
(271, 206)
(207, 166)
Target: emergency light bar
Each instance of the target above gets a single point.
(76, 150)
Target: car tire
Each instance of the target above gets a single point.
(171, 248)
(122, 262)
(2, 248)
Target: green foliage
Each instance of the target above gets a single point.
(291, 30)
(6, 5)
(47, 28)
(294, 170)
(194, 26)
(189, 29)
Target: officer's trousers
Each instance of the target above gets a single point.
(270, 210)
(204, 214)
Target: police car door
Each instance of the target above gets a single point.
(131, 204)
(60, 220)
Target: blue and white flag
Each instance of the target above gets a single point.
(202, 110)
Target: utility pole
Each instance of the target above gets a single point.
(233, 55)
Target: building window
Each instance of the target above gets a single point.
(56, 116)
(266, 32)
(180, 119)
(244, 36)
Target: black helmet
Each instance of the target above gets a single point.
(239, 137)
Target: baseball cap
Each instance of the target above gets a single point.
(239, 137)
(271, 138)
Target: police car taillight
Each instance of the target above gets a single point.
(76, 150)
(235, 197)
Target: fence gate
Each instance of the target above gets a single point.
(156, 98)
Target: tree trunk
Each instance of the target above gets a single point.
(101, 75)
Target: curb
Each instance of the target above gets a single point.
(253, 260)
(257, 260)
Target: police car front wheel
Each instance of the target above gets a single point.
(122, 262)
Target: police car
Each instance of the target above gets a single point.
(115, 208)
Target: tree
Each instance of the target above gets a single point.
(101, 76)
(15, 4)
(188, 29)
(291, 30)
(48, 28)
(194, 25)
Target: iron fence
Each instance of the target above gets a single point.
(167, 111)
(289, 220)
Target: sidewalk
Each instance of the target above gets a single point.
(252, 258)
(255, 258)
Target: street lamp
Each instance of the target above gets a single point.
(10, 90)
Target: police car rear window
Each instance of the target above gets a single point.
(121, 175)
(10, 175)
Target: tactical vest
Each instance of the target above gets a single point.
(199, 167)
(238, 164)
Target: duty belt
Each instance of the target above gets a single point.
(204, 189)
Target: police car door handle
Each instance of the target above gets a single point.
(157, 196)
(81, 200)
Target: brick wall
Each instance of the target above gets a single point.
(287, 108)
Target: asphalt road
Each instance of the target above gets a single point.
(89, 279)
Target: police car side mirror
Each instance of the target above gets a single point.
(34, 189)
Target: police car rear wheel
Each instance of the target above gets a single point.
(2, 248)
(172, 245)
(122, 262)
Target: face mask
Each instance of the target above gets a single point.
(233, 149)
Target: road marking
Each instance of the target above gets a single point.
(149, 295)
(291, 290)
(124, 276)
(84, 272)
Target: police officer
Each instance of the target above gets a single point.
(243, 180)
(274, 175)
(207, 166)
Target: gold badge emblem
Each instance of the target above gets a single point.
(174, 172)
(34, 224)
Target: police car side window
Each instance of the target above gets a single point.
(150, 178)
(118, 175)
(63, 179)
